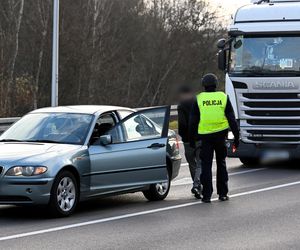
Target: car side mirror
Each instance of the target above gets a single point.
(222, 60)
(105, 140)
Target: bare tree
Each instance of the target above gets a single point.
(121, 52)
(43, 9)
(14, 16)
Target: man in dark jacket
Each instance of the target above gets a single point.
(211, 116)
(187, 99)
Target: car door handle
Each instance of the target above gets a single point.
(157, 145)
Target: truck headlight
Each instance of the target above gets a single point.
(26, 171)
(230, 136)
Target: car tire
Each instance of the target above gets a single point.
(158, 191)
(249, 162)
(64, 195)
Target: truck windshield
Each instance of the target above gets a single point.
(272, 55)
(64, 128)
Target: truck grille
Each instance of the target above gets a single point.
(272, 104)
(269, 117)
(273, 122)
(273, 113)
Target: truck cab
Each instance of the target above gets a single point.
(261, 58)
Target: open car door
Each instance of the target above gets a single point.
(133, 153)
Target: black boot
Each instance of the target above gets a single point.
(196, 192)
(223, 198)
(206, 200)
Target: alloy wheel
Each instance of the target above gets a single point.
(162, 188)
(66, 194)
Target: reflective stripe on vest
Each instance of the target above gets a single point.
(212, 112)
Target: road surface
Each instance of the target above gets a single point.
(263, 213)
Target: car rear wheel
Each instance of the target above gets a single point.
(64, 195)
(158, 191)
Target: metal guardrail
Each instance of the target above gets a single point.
(174, 113)
(5, 123)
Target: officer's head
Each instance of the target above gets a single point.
(185, 92)
(210, 82)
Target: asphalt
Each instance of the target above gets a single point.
(263, 213)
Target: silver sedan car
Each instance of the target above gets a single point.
(60, 156)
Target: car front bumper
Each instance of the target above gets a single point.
(25, 191)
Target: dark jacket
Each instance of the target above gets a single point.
(184, 110)
(195, 117)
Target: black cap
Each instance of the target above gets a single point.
(210, 81)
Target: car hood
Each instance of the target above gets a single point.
(19, 151)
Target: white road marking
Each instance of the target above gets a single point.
(187, 180)
(125, 216)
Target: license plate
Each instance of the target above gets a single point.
(276, 156)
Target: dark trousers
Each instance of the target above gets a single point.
(192, 157)
(209, 146)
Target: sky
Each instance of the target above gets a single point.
(229, 6)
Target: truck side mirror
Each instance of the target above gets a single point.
(221, 43)
(222, 60)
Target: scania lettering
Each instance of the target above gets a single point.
(275, 85)
(261, 58)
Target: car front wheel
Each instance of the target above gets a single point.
(64, 195)
(158, 191)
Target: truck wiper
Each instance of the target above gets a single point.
(268, 72)
(288, 72)
(250, 72)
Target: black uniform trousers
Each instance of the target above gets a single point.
(209, 146)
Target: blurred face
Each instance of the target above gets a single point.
(186, 96)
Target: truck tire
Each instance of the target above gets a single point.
(249, 162)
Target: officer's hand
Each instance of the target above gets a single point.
(236, 143)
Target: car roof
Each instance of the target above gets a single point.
(81, 109)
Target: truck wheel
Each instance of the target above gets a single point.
(64, 195)
(158, 191)
(249, 162)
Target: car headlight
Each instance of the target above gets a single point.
(26, 171)
(230, 136)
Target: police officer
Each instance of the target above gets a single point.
(186, 100)
(211, 116)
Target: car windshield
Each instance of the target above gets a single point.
(272, 55)
(64, 128)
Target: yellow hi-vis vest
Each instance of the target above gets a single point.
(212, 112)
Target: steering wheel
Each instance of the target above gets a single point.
(74, 137)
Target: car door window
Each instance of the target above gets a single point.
(141, 125)
(104, 124)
